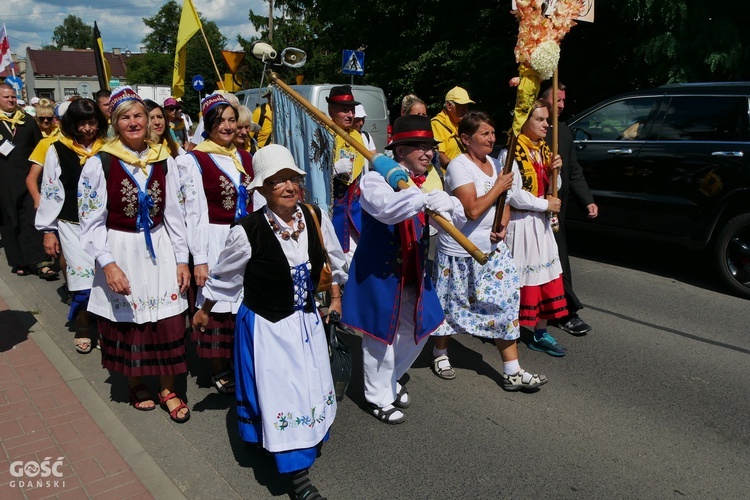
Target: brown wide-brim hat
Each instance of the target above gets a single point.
(412, 129)
(342, 95)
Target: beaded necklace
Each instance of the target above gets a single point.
(285, 234)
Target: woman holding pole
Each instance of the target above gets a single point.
(479, 300)
(530, 236)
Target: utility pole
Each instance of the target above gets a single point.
(270, 20)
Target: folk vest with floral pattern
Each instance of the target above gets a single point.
(221, 193)
(122, 196)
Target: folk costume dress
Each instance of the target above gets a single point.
(58, 212)
(130, 215)
(285, 396)
(481, 300)
(389, 296)
(214, 182)
(347, 210)
(530, 236)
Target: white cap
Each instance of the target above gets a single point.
(359, 111)
(21, 102)
(61, 108)
(270, 160)
(34, 100)
(30, 110)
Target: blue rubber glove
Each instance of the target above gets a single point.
(391, 171)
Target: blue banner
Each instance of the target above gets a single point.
(311, 144)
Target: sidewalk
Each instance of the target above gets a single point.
(50, 416)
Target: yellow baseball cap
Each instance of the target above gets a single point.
(459, 96)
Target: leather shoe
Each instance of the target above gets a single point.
(574, 325)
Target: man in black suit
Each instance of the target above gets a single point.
(572, 182)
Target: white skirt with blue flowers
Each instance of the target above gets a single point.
(481, 300)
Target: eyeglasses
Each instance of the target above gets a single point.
(280, 183)
(45, 118)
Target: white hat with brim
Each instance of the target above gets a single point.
(269, 161)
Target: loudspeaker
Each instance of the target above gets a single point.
(263, 51)
(293, 57)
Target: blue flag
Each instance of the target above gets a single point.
(311, 143)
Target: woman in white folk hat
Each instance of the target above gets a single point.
(285, 393)
(216, 178)
(132, 224)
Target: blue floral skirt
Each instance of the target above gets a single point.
(481, 300)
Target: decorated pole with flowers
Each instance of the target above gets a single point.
(541, 27)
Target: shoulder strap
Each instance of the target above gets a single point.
(106, 159)
(260, 121)
(315, 213)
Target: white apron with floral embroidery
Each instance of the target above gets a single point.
(79, 268)
(155, 294)
(293, 378)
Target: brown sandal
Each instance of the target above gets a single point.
(136, 401)
(173, 413)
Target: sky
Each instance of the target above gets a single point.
(31, 22)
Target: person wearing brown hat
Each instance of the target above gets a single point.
(388, 271)
(445, 125)
(347, 168)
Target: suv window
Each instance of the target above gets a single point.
(621, 120)
(706, 118)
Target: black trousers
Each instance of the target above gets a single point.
(22, 242)
(574, 305)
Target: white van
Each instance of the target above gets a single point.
(372, 98)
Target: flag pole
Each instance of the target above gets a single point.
(221, 80)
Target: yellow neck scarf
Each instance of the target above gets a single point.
(16, 119)
(524, 151)
(210, 147)
(79, 149)
(177, 126)
(55, 132)
(156, 153)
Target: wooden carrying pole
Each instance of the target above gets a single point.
(555, 147)
(449, 228)
(500, 203)
(221, 80)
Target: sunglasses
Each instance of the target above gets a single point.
(45, 118)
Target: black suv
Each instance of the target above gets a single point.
(673, 163)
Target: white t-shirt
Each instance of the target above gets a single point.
(461, 171)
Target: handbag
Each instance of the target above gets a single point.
(341, 358)
(326, 274)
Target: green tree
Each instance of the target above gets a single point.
(74, 33)
(155, 67)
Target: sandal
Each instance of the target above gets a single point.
(47, 273)
(173, 413)
(136, 401)
(387, 416)
(83, 345)
(225, 387)
(523, 380)
(446, 371)
(402, 398)
(20, 270)
(309, 493)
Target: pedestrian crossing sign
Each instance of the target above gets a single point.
(353, 62)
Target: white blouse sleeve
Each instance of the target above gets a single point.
(196, 207)
(386, 205)
(92, 211)
(173, 218)
(225, 280)
(335, 253)
(517, 196)
(53, 193)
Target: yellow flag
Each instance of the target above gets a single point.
(189, 26)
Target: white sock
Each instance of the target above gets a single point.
(439, 352)
(405, 398)
(396, 414)
(511, 367)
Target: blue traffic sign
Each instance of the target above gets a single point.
(198, 82)
(353, 62)
(15, 82)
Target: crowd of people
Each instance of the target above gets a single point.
(148, 222)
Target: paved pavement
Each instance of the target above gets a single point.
(49, 412)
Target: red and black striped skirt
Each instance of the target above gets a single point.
(545, 301)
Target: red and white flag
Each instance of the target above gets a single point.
(5, 59)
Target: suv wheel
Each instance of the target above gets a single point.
(732, 254)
